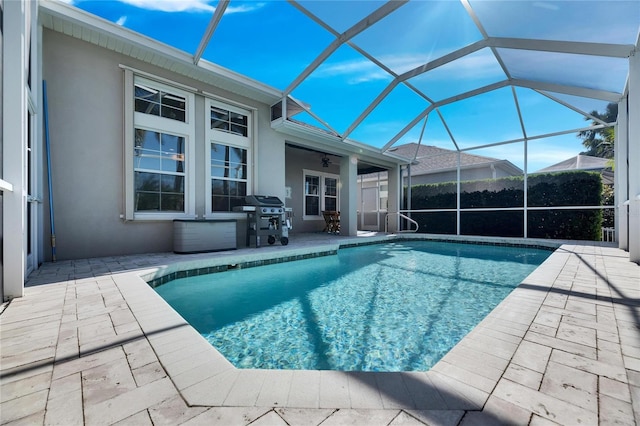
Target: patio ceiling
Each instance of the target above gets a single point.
(384, 73)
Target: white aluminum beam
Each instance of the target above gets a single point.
(569, 90)
(485, 35)
(371, 107)
(472, 93)
(568, 105)
(213, 24)
(443, 60)
(407, 128)
(515, 100)
(446, 127)
(530, 138)
(572, 47)
(311, 113)
(5, 186)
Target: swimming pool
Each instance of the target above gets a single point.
(385, 307)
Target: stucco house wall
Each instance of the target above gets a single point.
(85, 93)
(297, 160)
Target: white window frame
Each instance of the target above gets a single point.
(230, 139)
(138, 120)
(322, 188)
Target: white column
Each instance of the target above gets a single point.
(14, 146)
(634, 157)
(395, 184)
(349, 195)
(621, 187)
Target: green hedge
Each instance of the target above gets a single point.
(576, 188)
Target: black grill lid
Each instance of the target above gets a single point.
(263, 200)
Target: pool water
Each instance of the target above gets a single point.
(386, 307)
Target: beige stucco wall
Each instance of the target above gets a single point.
(85, 91)
(296, 161)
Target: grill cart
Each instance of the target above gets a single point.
(266, 216)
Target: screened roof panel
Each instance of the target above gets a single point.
(535, 107)
(468, 73)
(389, 118)
(430, 30)
(243, 43)
(592, 72)
(435, 134)
(585, 105)
(494, 115)
(348, 81)
(309, 49)
(341, 15)
(569, 20)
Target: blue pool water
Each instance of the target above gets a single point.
(385, 307)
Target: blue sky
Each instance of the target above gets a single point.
(273, 42)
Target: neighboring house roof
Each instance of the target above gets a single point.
(579, 162)
(431, 159)
(584, 162)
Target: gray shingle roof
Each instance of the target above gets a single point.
(579, 162)
(432, 158)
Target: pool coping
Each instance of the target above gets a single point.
(462, 380)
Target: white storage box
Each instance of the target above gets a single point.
(198, 236)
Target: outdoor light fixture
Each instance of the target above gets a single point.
(325, 161)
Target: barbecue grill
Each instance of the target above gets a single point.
(266, 216)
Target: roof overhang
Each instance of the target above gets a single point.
(319, 140)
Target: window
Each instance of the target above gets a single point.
(320, 193)
(228, 177)
(159, 161)
(228, 156)
(229, 121)
(156, 102)
(159, 171)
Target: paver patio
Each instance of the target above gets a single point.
(92, 343)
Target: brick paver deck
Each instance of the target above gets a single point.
(92, 343)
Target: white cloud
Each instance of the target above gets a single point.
(190, 6)
(121, 20)
(68, 1)
(173, 5)
(243, 8)
(357, 71)
(545, 5)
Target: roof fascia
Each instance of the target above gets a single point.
(73, 15)
(313, 138)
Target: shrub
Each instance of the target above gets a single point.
(574, 188)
